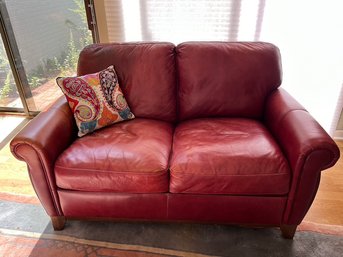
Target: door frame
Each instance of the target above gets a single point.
(13, 55)
(16, 65)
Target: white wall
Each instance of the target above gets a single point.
(309, 34)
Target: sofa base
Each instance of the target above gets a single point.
(58, 222)
(174, 207)
(288, 231)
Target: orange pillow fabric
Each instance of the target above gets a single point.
(96, 100)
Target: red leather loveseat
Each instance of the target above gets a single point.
(214, 140)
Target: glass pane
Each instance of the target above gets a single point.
(9, 96)
(49, 35)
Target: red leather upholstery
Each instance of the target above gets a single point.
(39, 144)
(307, 147)
(113, 205)
(175, 207)
(214, 140)
(146, 74)
(226, 79)
(127, 157)
(226, 208)
(227, 156)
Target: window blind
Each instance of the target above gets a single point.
(183, 20)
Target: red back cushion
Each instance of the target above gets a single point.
(226, 79)
(146, 74)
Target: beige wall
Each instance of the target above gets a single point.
(340, 122)
(110, 20)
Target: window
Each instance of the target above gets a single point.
(44, 38)
(182, 20)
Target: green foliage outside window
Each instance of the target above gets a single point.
(6, 89)
(62, 65)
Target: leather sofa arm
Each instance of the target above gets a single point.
(306, 145)
(39, 144)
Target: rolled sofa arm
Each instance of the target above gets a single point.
(306, 145)
(39, 144)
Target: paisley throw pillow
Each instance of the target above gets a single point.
(95, 99)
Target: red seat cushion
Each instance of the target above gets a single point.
(131, 156)
(227, 156)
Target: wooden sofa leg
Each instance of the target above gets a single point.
(58, 222)
(288, 231)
